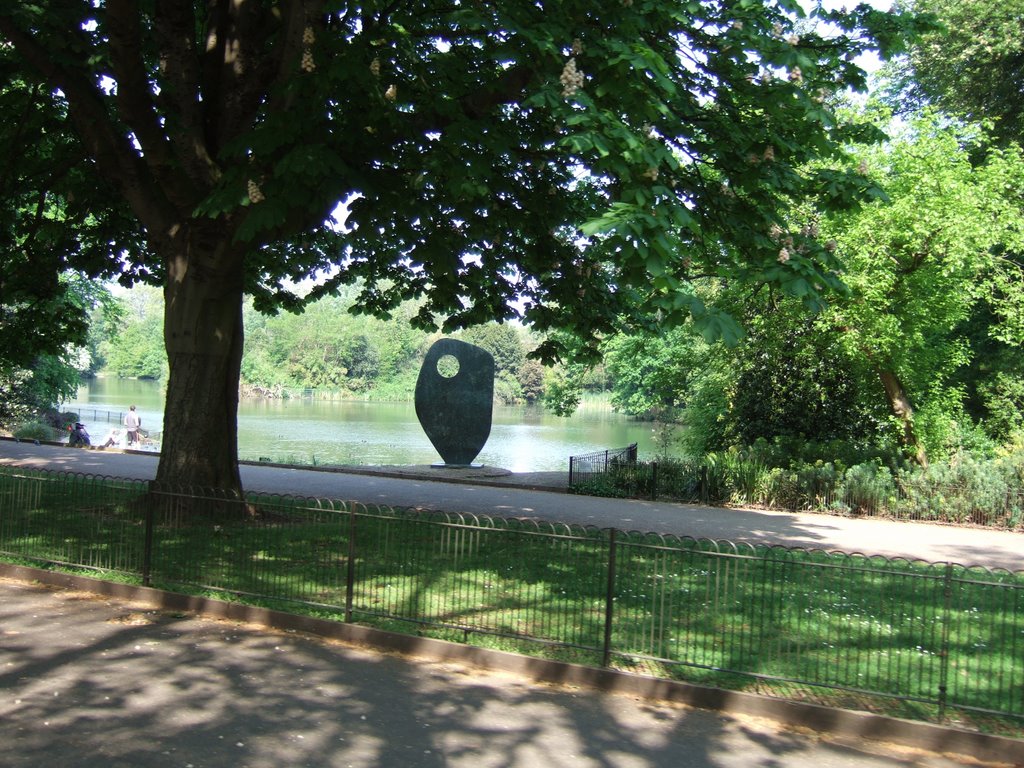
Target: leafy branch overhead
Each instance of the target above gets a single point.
(574, 164)
(476, 144)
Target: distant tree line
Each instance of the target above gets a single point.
(327, 348)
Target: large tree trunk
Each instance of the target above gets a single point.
(203, 332)
(903, 409)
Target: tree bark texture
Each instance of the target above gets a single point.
(203, 333)
(903, 409)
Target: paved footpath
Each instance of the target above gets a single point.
(95, 682)
(415, 487)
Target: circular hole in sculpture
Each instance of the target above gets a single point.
(448, 366)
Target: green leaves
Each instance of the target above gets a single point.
(718, 326)
(969, 63)
(473, 177)
(922, 263)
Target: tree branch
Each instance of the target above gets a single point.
(175, 30)
(238, 69)
(135, 100)
(115, 156)
(297, 15)
(508, 88)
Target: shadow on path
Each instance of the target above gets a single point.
(93, 682)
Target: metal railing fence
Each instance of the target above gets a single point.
(588, 466)
(938, 642)
(89, 413)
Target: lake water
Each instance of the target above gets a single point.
(306, 431)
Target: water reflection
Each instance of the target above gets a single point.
(356, 432)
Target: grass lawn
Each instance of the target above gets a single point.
(912, 639)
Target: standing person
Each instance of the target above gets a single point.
(132, 422)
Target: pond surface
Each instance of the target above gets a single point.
(307, 431)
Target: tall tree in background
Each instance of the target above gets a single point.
(475, 143)
(920, 265)
(135, 348)
(974, 66)
(929, 337)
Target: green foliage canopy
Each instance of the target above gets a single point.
(974, 65)
(51, 243)
(474, 144)
(928, 337)
(919, 265)
(457, 143)
(135, 347)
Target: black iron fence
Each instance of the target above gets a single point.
(88, 413)
(587, 467)
(937, 642)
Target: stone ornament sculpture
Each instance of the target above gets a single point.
(454, 397)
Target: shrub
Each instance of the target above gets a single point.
(59, 420)
(748, 473)
(805, 486)
(598, 486)
(633, 478)
(866, 489)
(1011, 457)
(817, 484)
(716, 480)
(34, 430)
(963, 490)
(781, 490)
(681, 479)
(966, 489)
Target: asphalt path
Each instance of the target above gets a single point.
(95, 682)
(914, 541)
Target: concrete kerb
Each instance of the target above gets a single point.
(499, 478)
(843, 723)
(100, 448)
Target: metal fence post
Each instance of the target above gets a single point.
(947, 605)
(609, 602)
(350, 570)
(147, 546)
(654, 480)
(572, 460)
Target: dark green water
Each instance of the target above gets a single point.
(356, 432)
